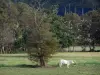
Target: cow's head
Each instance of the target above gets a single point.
(73, 62)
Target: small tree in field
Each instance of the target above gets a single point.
(41, 43)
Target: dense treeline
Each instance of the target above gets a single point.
(40, 31)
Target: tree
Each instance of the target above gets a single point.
(95, 28)
(41, 43)
(66, 29)
(89, 29)
(7, 25)
(72, 21)
(84, 37)
(24, 20)
(60, 29)
(14, 21)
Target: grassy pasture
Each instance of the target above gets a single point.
(87, 63)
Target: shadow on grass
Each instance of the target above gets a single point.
(49, 66)
(20, 66)
(13, 56)
(28, 66)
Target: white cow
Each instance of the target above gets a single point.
(67, 62)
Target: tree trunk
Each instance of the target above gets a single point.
(73, 48)
(83, 48)
(92, 47)
(42, 62)
(68, 49)
(3, 49)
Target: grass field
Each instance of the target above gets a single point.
(18, 64)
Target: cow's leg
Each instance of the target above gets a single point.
(67, 65)
(60, 64)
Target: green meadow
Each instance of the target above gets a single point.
(87, 63)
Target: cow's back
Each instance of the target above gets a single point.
(63, 61)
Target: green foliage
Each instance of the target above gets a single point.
(30, 29)
(44, 44)
(7, 25)
(66, 28)
(45, 50)
(24, 19)
(89, 34)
